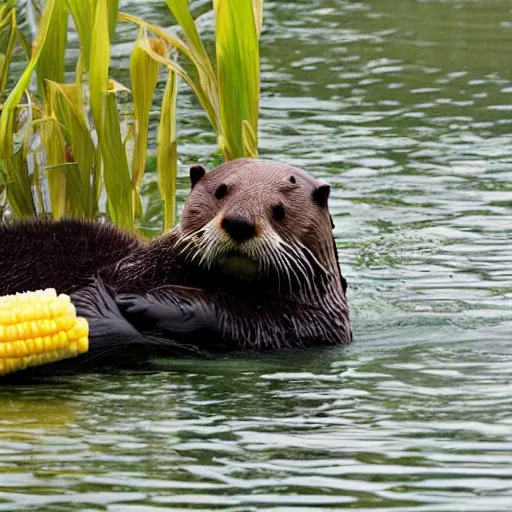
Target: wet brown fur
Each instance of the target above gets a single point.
(264, 314)
(36, 254)
(305, 220)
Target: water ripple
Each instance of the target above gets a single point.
(404, 107)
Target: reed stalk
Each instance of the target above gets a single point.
(56, 159)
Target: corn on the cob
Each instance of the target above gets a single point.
(38, 328)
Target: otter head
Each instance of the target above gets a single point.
(253, 219)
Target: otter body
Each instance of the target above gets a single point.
(39, 254)
(252, 264)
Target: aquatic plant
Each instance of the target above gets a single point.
(63, 144)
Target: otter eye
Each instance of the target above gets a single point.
(278, 212)
(221, 191)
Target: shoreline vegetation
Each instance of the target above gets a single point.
(63, 151)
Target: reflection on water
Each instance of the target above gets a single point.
(405, 107)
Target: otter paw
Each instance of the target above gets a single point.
(131, 304)
(150, 314)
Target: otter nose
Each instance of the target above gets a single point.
(238, 229)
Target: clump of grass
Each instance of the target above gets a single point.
(63, 147)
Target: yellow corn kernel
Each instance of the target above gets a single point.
(21, 330)
(48, 344)
(22, 348)
(60, 306)
(81, 328)
(39, 343)
(31, 346)
(83, 345)
(11, 333)
(39, 328)
(65, 323)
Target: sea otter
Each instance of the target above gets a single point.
(252, 264)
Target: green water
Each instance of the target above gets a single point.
(405, 107)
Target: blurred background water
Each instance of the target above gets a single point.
(405, 107)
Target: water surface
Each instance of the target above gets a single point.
(405, 107)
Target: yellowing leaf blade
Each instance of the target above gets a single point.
(257, 7)
(99, 61)
(116, 173)
(83, 16)
(18, 185)
(238, 67)
(51, 61)
(181, 12)
(55, 154)
(200, 93)
(68, 175)
(249, 141)
(206, 90)
(68, 111)
(167, 154)
(113, 9)
(9, 107)
(144, 75)
(8, 34)
(207, 78)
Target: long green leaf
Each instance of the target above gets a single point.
(257, 6)
(79, 77)
(167, 154)
(99, 61)
(51, 61)
(207, 77)
(9, 107)
(238, 66)
(206, 90)
(25, 44)
(144, 75)
(55, 154)
(68, 175)
(5, 9)
(181, 12)
(96, 176)
(8, 33)
(113, 10)
(200, 93)
(174, 41)
(68, 111)
(249, 140)
(83, 16)
(18, 185)
(116, 173)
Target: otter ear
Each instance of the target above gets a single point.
(196, 173)
(321, 195)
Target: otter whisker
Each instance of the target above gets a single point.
(297, 264)
(267, 246)
(306, 268)
(266, 258)
(186, 238)
(294, 264)
(188, 249)
(189, 244)
(305, 262)
(275, 250)
(299, 256)
(313, 257)
(279, 265)
(282, 265)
